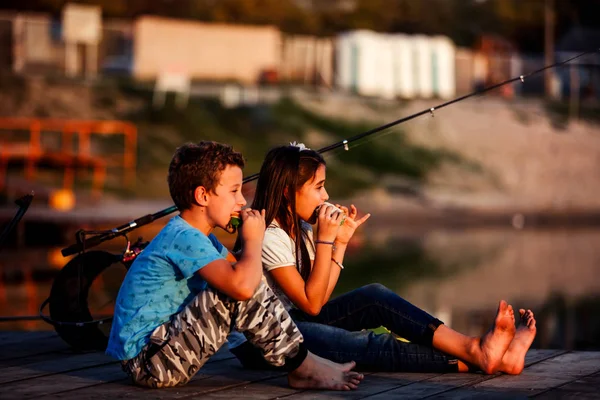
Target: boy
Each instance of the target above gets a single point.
(185, 292)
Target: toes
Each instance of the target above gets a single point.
(502, 306)
(348, 366)
(355, 381)
(353, 374)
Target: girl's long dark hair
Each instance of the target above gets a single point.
(284, 171)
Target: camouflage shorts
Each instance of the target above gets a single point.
(178, 348)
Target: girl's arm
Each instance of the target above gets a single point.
(311, 295)
(344, 235)
(335, 270)
(308, 296)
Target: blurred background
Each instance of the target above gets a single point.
(497, 196)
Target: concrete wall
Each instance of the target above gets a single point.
(204, 51)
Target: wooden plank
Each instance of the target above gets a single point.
(212, 376)
(54, 366)
(535, 356)
(35, 359)
(33, 347)
(472, 394)
(37, 346)
(62, 371)
(373, 384)
(547, 374)
(574, 364)
(56, 383)
(441, 384)
(266, 389)
(585, 388)
(224, 377)
(9, 337)
(229, 377)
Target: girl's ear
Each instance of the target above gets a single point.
(201, 196)
(285, 194)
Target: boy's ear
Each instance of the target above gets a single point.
(201, 196)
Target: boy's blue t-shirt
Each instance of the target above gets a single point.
(160, 283)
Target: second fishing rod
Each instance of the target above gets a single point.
(97, 237)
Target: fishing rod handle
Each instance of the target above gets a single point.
(96, 240)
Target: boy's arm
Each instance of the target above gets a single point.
(239, 278)
(231, 257)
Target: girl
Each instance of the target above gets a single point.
(303, 268)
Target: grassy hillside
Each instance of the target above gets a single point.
(253, 130)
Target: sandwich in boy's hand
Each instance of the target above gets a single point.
(234, 222)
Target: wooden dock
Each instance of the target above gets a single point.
(41, 365)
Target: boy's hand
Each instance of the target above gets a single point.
(349, 226)
(329, 223)
(253, 227)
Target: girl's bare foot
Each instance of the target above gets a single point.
(318, 373)
(496, 341)
(513, 361)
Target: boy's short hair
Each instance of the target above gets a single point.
(199, 164)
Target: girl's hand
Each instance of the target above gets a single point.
(349, 226)
(329, 223)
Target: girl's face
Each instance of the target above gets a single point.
(311, 195)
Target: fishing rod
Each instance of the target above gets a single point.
(102, 236)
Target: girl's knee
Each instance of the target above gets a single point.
(376, 289)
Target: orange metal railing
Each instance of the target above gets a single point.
(71, 156)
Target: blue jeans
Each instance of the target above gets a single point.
(338, 334)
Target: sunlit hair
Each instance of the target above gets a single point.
(199, 164)
(284, 171)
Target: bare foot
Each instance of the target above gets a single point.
(318, 373)
(513, 361)
(496, 341)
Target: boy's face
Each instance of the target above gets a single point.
(311, 195)
(227, 197)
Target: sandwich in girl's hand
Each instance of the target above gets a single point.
(335, 209)
(234, 222)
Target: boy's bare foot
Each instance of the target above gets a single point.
(513, 361)
(318, 373)
(496, 341)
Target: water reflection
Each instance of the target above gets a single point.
(458, 276)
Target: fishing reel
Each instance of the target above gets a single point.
(68, 301)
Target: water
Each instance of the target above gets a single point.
(458, 276)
